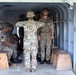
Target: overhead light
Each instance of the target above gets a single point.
(70, 7)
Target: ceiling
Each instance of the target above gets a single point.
(31, 6)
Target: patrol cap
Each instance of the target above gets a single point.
(30, 14)
(2, 25)
(9, 24)
(5, 24)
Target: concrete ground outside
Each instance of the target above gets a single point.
(41, 70)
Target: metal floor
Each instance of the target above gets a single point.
(41, 70)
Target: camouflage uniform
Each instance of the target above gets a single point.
(46, 39)
(2, 47)
(30, 40)
(12, 45)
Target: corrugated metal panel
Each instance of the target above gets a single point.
(37, 0)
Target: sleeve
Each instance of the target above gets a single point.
(18, 24)
(40, 24)
(21, 24)
(52, 25)
(39, 31)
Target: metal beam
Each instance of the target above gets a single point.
(70, 32)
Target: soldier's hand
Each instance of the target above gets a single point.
(4, 44)
(52, 37)
(7, 42)
(39, 38)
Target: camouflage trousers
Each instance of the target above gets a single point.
(30, 53)
(39, 50)
(45, 44)
(7, 50)
(13, 47)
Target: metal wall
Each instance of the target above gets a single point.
(74, 37)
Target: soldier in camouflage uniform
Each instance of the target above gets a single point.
(3, 40)
(30, 40)
(12, 44)
(47, 34)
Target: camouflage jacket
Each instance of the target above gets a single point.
(48, 25)
(30, 28)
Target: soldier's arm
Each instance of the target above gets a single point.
(39, 33)
(40, 24)
(20, 24)
(13, 39)
(52, 30)
(4, 44)
(7, 42)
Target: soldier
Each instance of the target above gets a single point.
(30, 40)
(47, 34)
(12, 44)
(3, 41)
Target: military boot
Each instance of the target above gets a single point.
(42, 62)
(48, 62)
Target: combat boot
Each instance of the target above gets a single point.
(48, 62)
(16, 60)
(42, 62)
